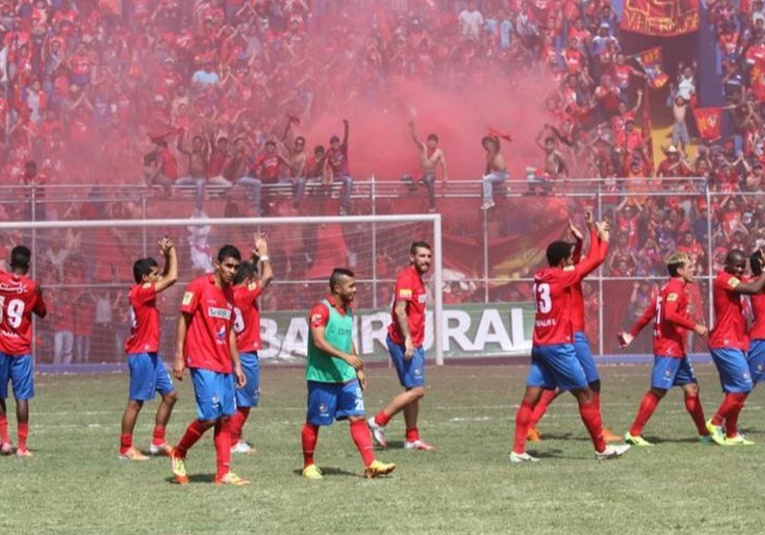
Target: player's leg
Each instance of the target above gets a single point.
(736, 383)
(350, 405)
(537, 380)
(246, 398)
(141, 389)
(224, 391)
(587, 361)
(663, 377)
(164, 382)
(547, 397)
(5, 438)
(22, 380)
(430, 183)
(321, 407)
(686, 379)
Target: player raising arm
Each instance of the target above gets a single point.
(671, 364)
(20, 297)
(148, 374)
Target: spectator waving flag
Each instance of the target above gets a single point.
(650, 60)
(709, 122)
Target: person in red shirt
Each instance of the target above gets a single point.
(20, 297)
(553, 355)
(406, 335)
(247, 288)
(581, 342)
(147, 371)
(756, 355)
(671, 365)
(206, 344)
(728, 343)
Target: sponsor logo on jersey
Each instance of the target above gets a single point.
(221, 334)
(222, 313)
(13, 287)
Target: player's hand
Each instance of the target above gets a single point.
(575, 232)
(261, 244)
(362, 377)
(625, 339)
(178, 368)
(604, 230)
(355, 362)
(165, 245)
(408, 348)
(590, 220)
(702, 330)
(241, 380)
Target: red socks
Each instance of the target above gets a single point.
(126, 442)
(5, 438)
(194, 432)
(236, 423)
(729, 409)
(310, 436)
(541, 408)
(24, 433)
(645, 411)
(382, 419)
(522, 424)
(363, 440)
(222, 441)
(590, 413)
(412, 434)
(694, 408)
(159, 435)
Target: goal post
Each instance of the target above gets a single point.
(85, 268)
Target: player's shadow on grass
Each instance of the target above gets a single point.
(330, 471)
(684, 440)
(563, 436)
(195, 478)
(548, 454)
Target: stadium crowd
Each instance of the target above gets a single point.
(216, 93)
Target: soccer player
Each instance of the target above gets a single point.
(335, 376)
(206, 344)
(148, 374)
(553, 355)
(728, 344)
(581, 343)
(406, 334)
(671, 364)
(247, 288)
(20, 297)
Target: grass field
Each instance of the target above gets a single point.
(76, 484)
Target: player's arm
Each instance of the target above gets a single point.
(648, 314)
(319, 318)
(346, 128)
(360, 373)
(740, 287)
(184, 319)
(40, 309)
(170, 273)
(241, 379)
(673, 315)
(416, 140)
(591, 261)
(442, 161)
(399, 310)
(576, 255)
(261, 253)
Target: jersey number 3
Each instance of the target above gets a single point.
(544, 302)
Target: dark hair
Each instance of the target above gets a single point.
(229, 251)
(486, 139)
(246, 271)
(338, 274)
(20, 257)
(432, 137)
(558, 251)
(549, 139)
(141, 267)
(755, 262)
(150, 157)
(319, 148)
(270, 142)
(733, 255)
(419, 245)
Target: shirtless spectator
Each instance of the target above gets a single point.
(555, 166)
(336, 167)
(495, 171)
(297, 159)
(431, 157)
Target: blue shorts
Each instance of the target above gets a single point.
(328, 402)
(214, 393)
(670, 371)
(556, 366)
(756, 361)
(249, 395)
(17, 370)
(733, 369)
(584, 355)
(148, 376)
(411, 373)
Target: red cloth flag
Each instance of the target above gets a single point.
(709, 121)
(661, 17)
(650, 60)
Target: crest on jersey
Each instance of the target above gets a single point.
(733, 282)
(221, 333)
(323, 409)
(672, 297)
(188, 297)
(760, 368)
(405, 293)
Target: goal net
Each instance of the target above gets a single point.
(85, 270)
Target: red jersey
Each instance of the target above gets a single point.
(19, 298)
(730, 326)
(758, 308)
(409, 288)
(554, 302)
(144, 319)
(247, 317)
(669, 310)
(207, 338)
(268, 167)
(577, 297)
